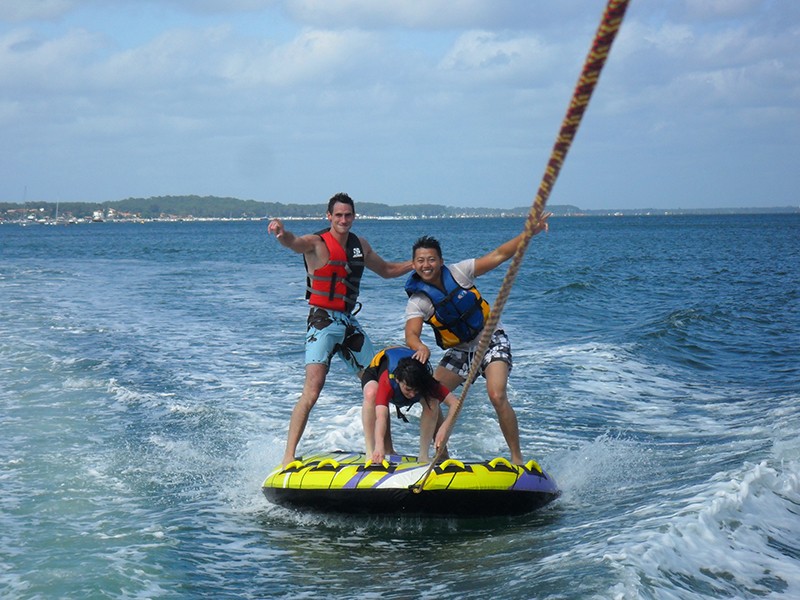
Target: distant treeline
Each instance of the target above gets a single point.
(234, 208)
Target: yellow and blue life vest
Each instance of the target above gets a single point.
(459, 313)
(392, 356)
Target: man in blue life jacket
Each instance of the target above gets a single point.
(335, 259)
(446, 298)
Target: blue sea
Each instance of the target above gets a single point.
(148, 371)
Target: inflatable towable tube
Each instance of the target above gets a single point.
(343, 482)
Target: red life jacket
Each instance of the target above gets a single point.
(335, 284)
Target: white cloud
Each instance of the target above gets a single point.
(486, 51)
(314, 56)
(170, 60)
(31, 63)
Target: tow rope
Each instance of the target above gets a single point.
(592, 66)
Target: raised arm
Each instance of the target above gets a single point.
(504, 251)
(304, 244)
(385, 269)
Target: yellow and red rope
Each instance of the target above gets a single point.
(593, 65)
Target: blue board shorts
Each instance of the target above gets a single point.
(331, 332)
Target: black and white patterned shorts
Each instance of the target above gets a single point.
(459, 361)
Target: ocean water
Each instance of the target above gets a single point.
(147, 374)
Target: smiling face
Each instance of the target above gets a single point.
(341, 217)
(428, 265)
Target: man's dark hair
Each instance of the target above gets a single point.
(426, 241)
(344, 199)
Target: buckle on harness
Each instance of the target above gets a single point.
(401, 415)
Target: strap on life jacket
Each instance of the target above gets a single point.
(401, 415)
(335, 285)
(459, 313)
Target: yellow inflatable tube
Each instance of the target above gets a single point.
(343, 482)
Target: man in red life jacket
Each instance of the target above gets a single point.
(335, 259)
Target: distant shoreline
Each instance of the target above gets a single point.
(212, 208)
(189, 219)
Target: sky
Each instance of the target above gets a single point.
(398, 101)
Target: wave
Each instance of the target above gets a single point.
(737, 535)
